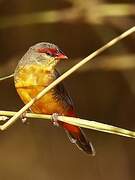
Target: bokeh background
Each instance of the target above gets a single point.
(103, 90)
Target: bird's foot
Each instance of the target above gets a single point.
(3, 118)
(55, 121)
(24, 118)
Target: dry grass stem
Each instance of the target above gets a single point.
(78, 122)
(6, 77)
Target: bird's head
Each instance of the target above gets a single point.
(46, 54)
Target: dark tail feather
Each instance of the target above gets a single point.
(81, 141)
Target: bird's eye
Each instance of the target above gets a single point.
(61, 51)
(49, 53)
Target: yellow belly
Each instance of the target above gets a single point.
(47, 104)
(29, 81)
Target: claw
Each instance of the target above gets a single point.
(24, 118)
(55, 119)
(3, 118)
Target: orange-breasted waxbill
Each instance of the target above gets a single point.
(35, 71)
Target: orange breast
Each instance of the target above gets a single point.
(30, 81)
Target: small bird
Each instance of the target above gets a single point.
(35, 71)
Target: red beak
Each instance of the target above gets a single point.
(61, 56)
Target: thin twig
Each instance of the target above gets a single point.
(79, 122)
(6, 77)
(66, 74)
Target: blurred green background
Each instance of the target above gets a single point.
(103, 90)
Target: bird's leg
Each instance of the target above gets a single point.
(55, 121)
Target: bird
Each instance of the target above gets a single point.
(35, 71)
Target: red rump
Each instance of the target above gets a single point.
(70, 127)
(71, 113)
